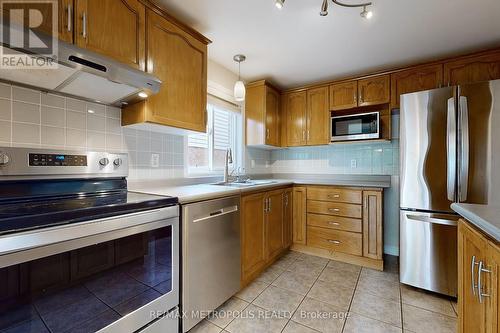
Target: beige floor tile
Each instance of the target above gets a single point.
(339, 297)
(225, 313)
(254, 319)
(293, 327)
(294, 281)
(293, 254)
(270, 274)
(284, 262)
(423, 321)
(277, 299)
(454, 304)
(427, 300)
(380, 287)
(306, 267)
(342, 266)
(359, 324)
(252, 291)
(205, 327)
(313, 259)
(385, 275)
(339, 278)
(377, 308)
(320, 316)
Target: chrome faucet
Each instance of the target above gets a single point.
(228, 159)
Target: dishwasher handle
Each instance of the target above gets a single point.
(217, 213)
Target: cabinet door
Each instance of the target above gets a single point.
(180, 62)
(114, 28)
(272, 117)
(287, 217)
(374, 90)
(252, 234)
(471, 250)
(493, 288)
(415, 79)
(299, 215)
(295, 112)
(318, 117)
(344, 95)
(274, 224)
(66, 20)
(372, 224)
(472, 69)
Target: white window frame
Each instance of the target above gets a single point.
(234, 140)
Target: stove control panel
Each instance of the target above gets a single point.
(57, 160)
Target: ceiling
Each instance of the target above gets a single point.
(296, 46)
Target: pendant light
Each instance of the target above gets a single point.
(239, 86)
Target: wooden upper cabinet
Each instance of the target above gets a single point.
(114, 28)
(415, 79)
(274, 224)
(318, 117)
(295, 115)
(262, 114)
(179, 60)
(66, 23)
(472, 69)
(272, 117)
(374, 90)
(344, 95)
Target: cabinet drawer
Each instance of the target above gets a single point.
(334, 194)
(335, 240)
(334, 222)
(334, 208)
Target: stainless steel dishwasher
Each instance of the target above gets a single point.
(211, 264)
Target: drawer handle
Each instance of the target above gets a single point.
(333, 223)
(333, 196)
(333, 241)
(334, 210)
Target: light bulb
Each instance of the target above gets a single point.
(142, 94)
(279, 3)
(367, 14)
(239, 91)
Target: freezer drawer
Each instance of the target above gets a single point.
(428, 251)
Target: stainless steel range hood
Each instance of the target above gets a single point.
(84, 74)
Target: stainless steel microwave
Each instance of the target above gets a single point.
(356, 127)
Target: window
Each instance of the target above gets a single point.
(207, 151)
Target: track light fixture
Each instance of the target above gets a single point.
(365, 13)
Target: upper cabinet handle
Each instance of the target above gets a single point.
(69, 18)
(84, 25)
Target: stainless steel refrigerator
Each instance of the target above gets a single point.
(449, 152)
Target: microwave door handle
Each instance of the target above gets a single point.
(463, 145)
(451, 150)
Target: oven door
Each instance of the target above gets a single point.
(356, 127)
(117, 274)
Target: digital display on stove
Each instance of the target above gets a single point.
(57, 160)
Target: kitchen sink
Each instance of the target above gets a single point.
(247, 183)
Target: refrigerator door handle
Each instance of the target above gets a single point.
(463, 146)
(428, 219)
(451, 150)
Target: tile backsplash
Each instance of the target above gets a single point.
(30, 118)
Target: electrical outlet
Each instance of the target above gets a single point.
(155, 160)
(354, 164)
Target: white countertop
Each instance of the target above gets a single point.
(201, 192)
(484, 217)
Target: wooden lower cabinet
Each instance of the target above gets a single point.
(478, 281)
(265, 230)
(340, 223)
